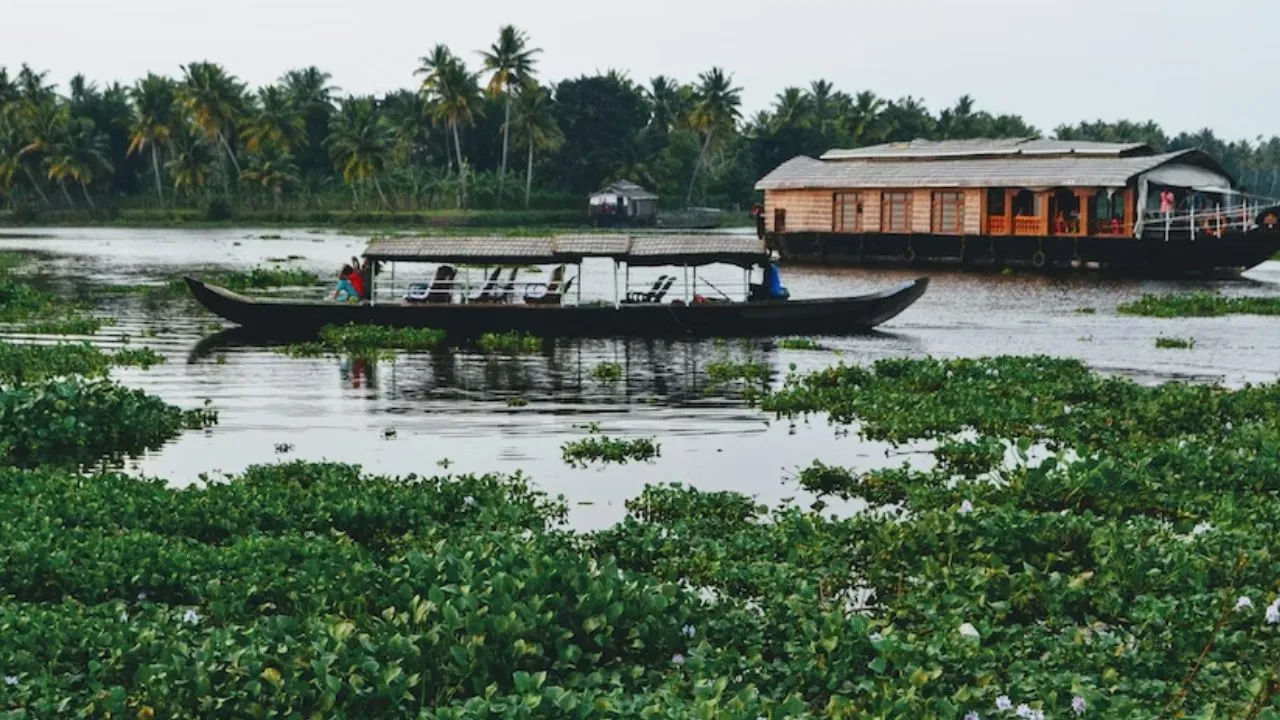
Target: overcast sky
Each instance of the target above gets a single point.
(1185, 63)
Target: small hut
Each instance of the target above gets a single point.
(622, 203)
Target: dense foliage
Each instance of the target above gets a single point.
(496, 137)
(22, 363)
(1200, 304)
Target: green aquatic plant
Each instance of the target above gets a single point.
(748, 371)
(66, 325)
(75, 421)
(24, 363)
(1167, 342)
(509, 343)
(800, 343)
(1200, 304)
(365, 341)
(970, 457)
(604, 449)
(607, 372)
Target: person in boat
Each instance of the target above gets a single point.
(356, 278)
(772, 287)
(345, 289)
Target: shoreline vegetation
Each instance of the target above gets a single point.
(1200, 304)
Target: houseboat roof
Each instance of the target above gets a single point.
(987, 147)
(1034, 164)
(647, 249)
(627, 189)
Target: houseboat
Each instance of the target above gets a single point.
(1043, 204)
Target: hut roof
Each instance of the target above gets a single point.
(986, 147)
(647, 249)
(627, 189)
(1033, 169)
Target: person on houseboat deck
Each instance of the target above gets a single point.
(345, 291)
(771, 288)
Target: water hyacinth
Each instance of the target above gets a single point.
(971, 715)
(191, 617)
(1272, 615)
(1077, 705)
(1243, 602)
(966, 507)
(10, 680)
(689, 631)
(677, 659)
(969, 631)
(1003, 703)
(1023, 711)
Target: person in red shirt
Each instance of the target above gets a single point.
(357, 282)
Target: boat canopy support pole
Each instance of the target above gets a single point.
(373, 274)
(616, 298)
(579, 282)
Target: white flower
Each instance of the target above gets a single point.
(971, 716)
(1077, 705)
(1036, 715)
(1273, 613)
(689, 631)
(468, 500)
(1023, 711)
(677, 659)
(966, 507)
(1243, 602)
(124, 616)
(10, 680)
(1201, 528)
(969, 631)
(1003, 703)
(142, 595)
(191, 617)
(875, 637)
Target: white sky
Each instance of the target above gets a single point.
(1185, 63)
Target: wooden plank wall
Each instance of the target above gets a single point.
(921, 211)
(807, 210)
(973, 211)
(871, 210)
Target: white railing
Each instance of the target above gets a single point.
(1211, 222)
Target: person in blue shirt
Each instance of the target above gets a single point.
(345, 290)
(773, 283)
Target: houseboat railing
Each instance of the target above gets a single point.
(1212, 222)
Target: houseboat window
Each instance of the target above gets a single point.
(995, 201)
(1026, 203)
(780, 220)
(948, 212)
(895, 212)
(847, 215)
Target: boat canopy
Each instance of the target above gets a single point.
(642, 249)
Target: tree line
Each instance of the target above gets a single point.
(492, 135)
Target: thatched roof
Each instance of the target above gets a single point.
(647, 249)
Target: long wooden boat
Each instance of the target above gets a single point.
(827, 316)
(1040, 204)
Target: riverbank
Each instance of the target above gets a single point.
(530, 222)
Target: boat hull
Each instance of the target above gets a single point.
(834, 316)
(1229, 254)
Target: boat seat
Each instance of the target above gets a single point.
(551, 298)
(642, 296)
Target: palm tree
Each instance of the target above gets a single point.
(715, 111)
(32, 88)
(213, 101)
(42, 123)
(792, 108)
(308, 87)
(190, 162)
(862, 119)
(273, 169)
(80, 155)
(11, 145)
(666, 102)
(153, 120)
(275, 122)
(455, 94)
(359, 144)
(511, 61)
(10, 94)
(535, 127)
(433, 67)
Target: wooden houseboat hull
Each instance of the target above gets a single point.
(833, 316)
(1179, 256)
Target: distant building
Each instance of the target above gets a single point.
(622, 203)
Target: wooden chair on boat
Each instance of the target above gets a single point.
(552, 286)
(490, 291)
(441, 290)
(640, 296)
(554, 295)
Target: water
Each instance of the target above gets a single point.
(422, 412)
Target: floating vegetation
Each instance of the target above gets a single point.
(1086, 311)
(970, 458)
(77, 421)
(1175, 343)
(509, 343)
(1200, 304)
(800, 343)
(749, 371)
(517, 402)
(364, 341)
(39, 313)
(607, 372)
(603, 449)
(24, 363)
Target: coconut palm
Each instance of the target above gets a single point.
(10, 94)
(276, 121)
(432, 68)
(11, 144)
(80, 155)
(273, 169)
(308, 87)
(32, 87)
(42, 124)
(668, 101)
(359, 144)
(715, 113)
(455, 95)
(191, 161)
(153, 120)
(214, 102)
(535, 127)
(511, 61)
